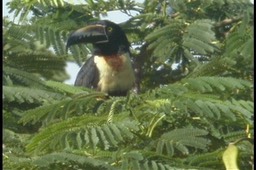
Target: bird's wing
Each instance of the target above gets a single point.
(88, 75)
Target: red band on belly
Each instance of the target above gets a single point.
(114, 61)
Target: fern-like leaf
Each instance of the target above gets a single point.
(81, 132)
(23, 77)
(64, 88)
(236, 135)
(200, 37)
(207, 84)
(207, 159)
(64, 108)
(181, 139)
(26, 95)
(55, 160)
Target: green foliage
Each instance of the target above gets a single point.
(24, 95)
(13, 76)
(81, 133)
(184, 117)
(180, 139)
(62, 159)
(25, 53)
(199, 37)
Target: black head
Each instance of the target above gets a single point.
(107, 38)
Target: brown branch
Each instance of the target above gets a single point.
(228, 21)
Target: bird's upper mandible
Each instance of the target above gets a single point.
(107, 37)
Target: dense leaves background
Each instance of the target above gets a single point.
(184, 117)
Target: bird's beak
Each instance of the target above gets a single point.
(91, 34)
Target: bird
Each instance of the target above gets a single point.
(109, 69)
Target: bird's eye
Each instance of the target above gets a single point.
(110, 29)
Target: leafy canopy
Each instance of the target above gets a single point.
(195, 106)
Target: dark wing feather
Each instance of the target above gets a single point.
(88, 75)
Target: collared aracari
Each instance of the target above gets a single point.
(110, 68)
